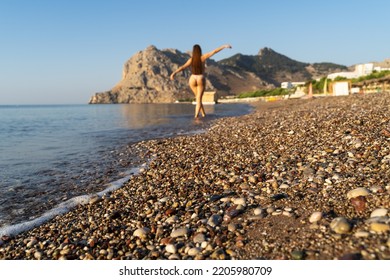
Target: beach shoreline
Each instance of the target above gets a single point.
(273, 184)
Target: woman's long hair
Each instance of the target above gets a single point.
(197, 65)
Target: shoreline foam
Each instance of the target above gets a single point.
(66, 206)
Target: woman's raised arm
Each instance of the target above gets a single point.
(181, 68)
(210, 54)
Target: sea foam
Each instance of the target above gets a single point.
(66, 206)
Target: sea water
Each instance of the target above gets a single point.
(53, 157)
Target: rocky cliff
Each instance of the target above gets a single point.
(145, 77)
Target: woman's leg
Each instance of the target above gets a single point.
(197, 87)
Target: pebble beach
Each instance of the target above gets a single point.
(294, 179)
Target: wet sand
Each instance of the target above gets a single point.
(295, 179)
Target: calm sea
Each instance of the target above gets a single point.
(54, 156)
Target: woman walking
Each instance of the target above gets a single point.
(197, 80)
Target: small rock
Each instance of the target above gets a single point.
(362, 233)
(232, 227)
(252, 179)
(379, 227)
(232, 211)
(287, 214)
(258, 211)
(31, 243)
(174, 257)
(270, 210)
(172, 219)
(164, 199)
(277, 212)
(171, 248)
(380, 212)
(340, 225)
(204, 244)
(199, 237)
(284, 186)
(231, 253)
(141, 232)
(315, 217)
(255, 218)
(359, 203)
(38, 255)
(357, 192)
(219, 254)
(239, 201)
(194, 251)
(297, 255)
(180, 232)
(214, 220)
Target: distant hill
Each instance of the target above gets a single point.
(145, 76)
(275, 68)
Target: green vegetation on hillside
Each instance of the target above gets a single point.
(373, 75)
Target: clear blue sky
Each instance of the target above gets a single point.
(57, 51)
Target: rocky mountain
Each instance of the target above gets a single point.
(145, 76)
(275, 68)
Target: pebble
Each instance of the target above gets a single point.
(359, 203)
(357, 192)
(340, 225)
(287, 214)
(171, 248)
(180, 232)
(141, 232)
(362, 233)
(284, 186)
(199, 237)
(31, 243)
(172, 219)
(214, 220)
(297, 255)
(194, 251)
(232, 227)
(379, 212)
(315, 217)
(174, 257)
(379, 227)
(270, 210)
(239, 201)
(258, 211)
(38, 255)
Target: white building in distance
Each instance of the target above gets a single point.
(360, 70)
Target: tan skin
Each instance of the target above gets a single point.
(198, 85)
